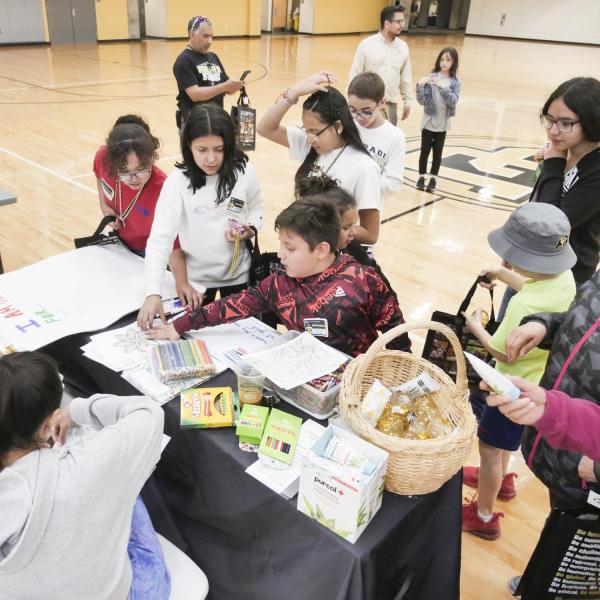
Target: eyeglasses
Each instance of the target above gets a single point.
(362, 114)
(139, 175)
(318, 133)
(398, 20)
(564, 125)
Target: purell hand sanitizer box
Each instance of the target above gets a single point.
(342, 497)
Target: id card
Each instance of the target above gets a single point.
(317, 327)
(235, 205)
(594, 499)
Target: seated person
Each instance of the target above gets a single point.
(343, 302)
(66, 526)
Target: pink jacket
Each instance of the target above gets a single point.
(571, 424)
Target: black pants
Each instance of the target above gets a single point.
(429, 140)
(226, 290)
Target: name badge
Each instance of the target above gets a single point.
(594, 499)
(317, 327)
(108, 192)
(235, 205)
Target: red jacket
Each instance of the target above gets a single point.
(350, 301)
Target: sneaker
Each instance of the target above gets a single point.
(421, 183)
(471, 522)
(507, 489)
(431, 185)
(513, 584)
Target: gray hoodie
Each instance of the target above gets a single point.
(65, 513)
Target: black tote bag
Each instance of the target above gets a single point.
(244, 122)
(438, 350)
(566, 561)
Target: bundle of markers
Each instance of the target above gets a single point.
(328, 382)
(178, 360)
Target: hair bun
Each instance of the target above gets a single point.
(310, 186)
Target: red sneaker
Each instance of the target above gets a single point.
(471, 522)
(507, 489)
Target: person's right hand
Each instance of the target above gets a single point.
(166, 332)
(424, 80)
(525, 410)
(62, 425)
(152, 306)
(522, 339)
(233, 85)
(317, 82)
(189, 295)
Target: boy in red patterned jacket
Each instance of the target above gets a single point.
(337, 299)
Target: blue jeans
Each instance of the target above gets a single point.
(150, 576)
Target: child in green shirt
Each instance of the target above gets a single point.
(537, 258)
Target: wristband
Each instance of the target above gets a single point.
(286, 98)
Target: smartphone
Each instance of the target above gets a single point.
(244, 75)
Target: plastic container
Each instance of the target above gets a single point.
(319, 405)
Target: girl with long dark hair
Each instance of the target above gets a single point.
(213, 203)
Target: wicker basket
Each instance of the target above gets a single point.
(415, 466)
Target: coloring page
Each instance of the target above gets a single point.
(297, 361)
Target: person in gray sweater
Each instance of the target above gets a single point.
(66, 510)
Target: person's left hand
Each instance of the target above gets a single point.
(247, 233)
(168, 332)
(62, 425)
(405, 112)
(586, 469)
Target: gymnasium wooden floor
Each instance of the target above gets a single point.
(57, 105)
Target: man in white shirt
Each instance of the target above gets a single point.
(387, 55)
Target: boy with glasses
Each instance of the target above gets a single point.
(387, 55)
(385, 142)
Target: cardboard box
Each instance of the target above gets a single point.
(206, 407)
(346, 507)
(251, 424)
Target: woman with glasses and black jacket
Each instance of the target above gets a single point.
(570, 177)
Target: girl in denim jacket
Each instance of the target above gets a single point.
(438, 92)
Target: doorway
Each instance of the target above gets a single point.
(71, 21)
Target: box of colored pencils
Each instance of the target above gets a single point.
(251, 423)
(206, 407)
(280, 436)
(179, 360)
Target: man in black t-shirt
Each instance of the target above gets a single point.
(199, 73)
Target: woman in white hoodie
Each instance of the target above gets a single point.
(66, 529)
(209, 200)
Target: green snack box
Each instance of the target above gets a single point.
(251, 423)
(281, 436)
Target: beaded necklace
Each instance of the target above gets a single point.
(123, 215)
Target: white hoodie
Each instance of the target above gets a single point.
(201, 224)
(65, 513)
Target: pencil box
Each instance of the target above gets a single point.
(181, 359)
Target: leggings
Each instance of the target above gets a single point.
(429, 140)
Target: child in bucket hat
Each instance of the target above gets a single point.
(536, 261)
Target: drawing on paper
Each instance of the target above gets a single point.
(132, 340)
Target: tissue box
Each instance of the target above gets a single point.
(344, 506)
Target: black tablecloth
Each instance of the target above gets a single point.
(254, 545)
